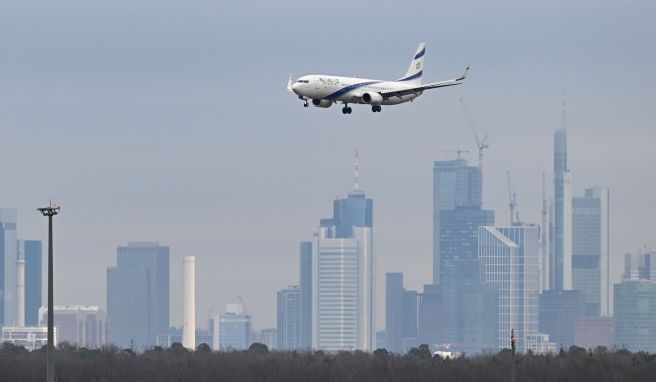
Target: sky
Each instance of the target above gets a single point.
(169, 121)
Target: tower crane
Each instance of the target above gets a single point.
(480, 144)
(512, 200)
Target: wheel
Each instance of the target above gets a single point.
(305, 104)
(349, 110)
(345, 110)
(374, 109)
(379, 108)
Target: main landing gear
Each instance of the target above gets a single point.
(346, 109)
(376, 108)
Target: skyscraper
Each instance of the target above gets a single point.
(138, 295)
(8, 257)
(634, 321)
(393, 311)
(455, 184)
(510, 261)
(289, 318)
(31, 251)
(345, 303)
(305, 281)
(557, 315)
(590, 250)
(84, 326)
(562, 235)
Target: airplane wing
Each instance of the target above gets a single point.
(421, 88)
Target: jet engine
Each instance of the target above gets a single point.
(322, 103)
(372, 98)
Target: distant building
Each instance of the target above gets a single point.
(234, 328)
(430, 312)
(539, 343)
(590, 249)
(558, 313)
(29, 337)
(634, 322)
(289, 318)
(509, 256)
(84, 326)
(640, 265)
(401, 308)
(592, 332)
(8, 257)
(562, 227)
(138, 295)
(455, 184)
(305, 281)
(31, 252)
(268, 337)
(346, 276)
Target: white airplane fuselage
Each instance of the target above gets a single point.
(349, 89)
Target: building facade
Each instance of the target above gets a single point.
(562, 233)
(30, 337)
(8, 258)
(510, 259)
(234, 328)
(31, 252)
(590, 250)
(455, 184)
(305, 280)
(289, 318)
(83, 326)
(634, 321)
(593, 332)
(138, 295)
(558, 313)
(345, 306)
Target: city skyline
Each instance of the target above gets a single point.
(215, 184)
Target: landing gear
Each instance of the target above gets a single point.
(376, 109)
(306, 104)
(346, 110)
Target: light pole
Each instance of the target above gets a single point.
(50, 211)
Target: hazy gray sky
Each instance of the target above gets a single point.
(169, 121)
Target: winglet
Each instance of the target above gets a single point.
(289, 83)
(464, 75)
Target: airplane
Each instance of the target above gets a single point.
(324, 90)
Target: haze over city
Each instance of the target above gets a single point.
(170, 122)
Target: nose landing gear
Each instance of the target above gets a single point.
(346, 109)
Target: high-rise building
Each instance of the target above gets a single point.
(289, 318)
(30, 251)
(268, 337)
(455, 184)
(394, 309)
(305, 281)
(459, 242)
(345, 303)
(558, 313)
(509, 257)
(590, 250)
(8, 258)
(83, 326)
(234, 328)
(634, 321)
(562, 235)
(138, 295)
(189, 321)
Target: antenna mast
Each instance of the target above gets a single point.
(357, 171)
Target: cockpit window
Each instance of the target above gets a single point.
(303, 81)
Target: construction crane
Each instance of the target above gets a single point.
(241, 301)
(480, 144)
(512, 200)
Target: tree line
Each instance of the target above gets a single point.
(175, 364)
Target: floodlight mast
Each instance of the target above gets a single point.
(50, 211)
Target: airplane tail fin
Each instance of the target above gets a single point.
(413, 75)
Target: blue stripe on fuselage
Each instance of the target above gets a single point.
(420, 54)
(412, 77)
(347, 89)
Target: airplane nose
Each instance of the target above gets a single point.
(296, 87)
